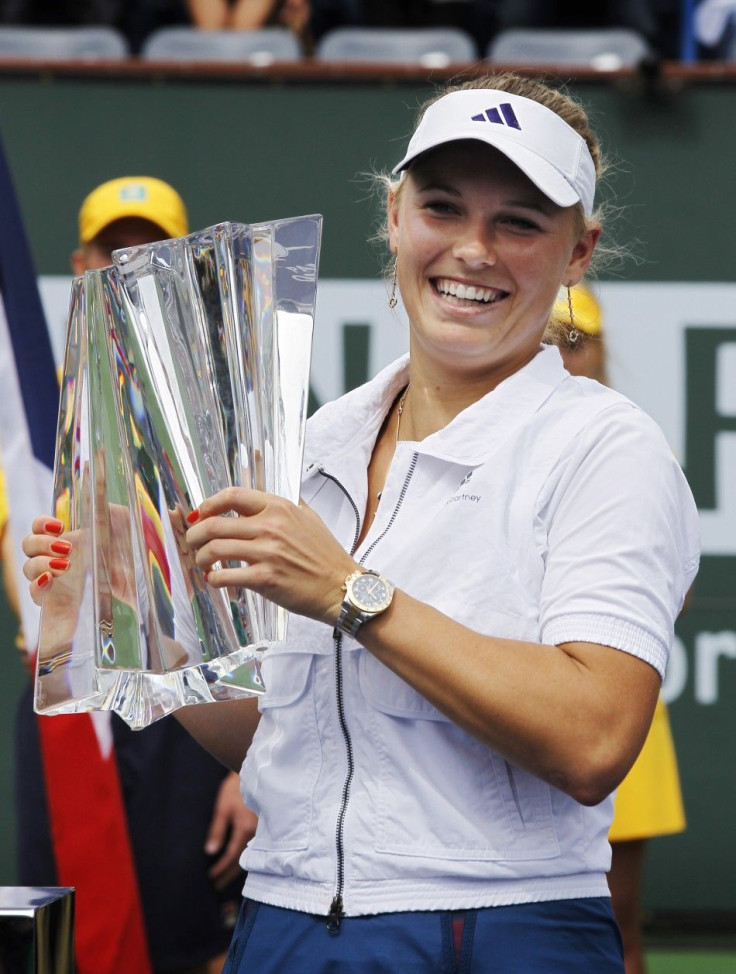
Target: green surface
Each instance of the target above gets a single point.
(691, 962)
(245, 151)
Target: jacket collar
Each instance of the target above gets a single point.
(350, 425)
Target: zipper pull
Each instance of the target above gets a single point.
(335, 915)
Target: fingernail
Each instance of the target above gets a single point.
(193, 516)
(43, 580)
(61, 547)
(206, 576)
(59, 564)
(53, 526)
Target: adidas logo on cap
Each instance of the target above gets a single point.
(495, 115)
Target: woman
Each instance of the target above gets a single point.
(433, 758)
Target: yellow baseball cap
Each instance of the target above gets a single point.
(585, 308)
(133, 196)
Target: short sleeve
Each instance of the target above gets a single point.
(621, 538)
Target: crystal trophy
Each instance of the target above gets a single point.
(186, 371)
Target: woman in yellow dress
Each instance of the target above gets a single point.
(649, 800)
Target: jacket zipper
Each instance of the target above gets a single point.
(335, 914)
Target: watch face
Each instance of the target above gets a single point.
(370, 593)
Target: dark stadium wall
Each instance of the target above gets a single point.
(255, 151)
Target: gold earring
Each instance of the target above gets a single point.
(573, 334)
(393, 300)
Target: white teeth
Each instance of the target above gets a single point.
(467, 292)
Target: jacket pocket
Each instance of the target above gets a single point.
(439, 793)
(278, 780)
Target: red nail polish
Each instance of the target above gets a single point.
(59, 564)
(43, 580)
(193, 516)
(61, 547)
(53, 526)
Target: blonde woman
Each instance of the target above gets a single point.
(483, 576)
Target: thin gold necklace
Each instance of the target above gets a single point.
(400, 410)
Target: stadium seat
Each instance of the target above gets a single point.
(605, 49)
(62, 43)
(432, 47)
(260, 47)
(713, 24)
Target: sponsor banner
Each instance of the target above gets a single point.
(672, 350)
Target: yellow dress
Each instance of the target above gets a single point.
(649, 800)
(3, 503)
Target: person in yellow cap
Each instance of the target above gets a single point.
(186, 820)
(649, 800)
(126, 212)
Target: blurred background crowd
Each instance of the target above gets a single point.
(672, 29)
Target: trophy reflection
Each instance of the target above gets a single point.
(186, 371)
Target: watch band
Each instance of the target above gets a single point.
(351, 618)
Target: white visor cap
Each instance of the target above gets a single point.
(536, 139)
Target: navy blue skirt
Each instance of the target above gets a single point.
(576, 936)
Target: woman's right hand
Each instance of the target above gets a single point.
(47, 555)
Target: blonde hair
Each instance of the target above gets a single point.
(569, 110)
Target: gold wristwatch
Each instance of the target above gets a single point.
(367, 594)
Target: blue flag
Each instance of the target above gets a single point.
(80, 773)
(30, 395)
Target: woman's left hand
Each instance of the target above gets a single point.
(287, 553)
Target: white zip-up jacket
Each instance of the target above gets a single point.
(552, 510)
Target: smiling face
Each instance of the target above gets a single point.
(481, 254)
